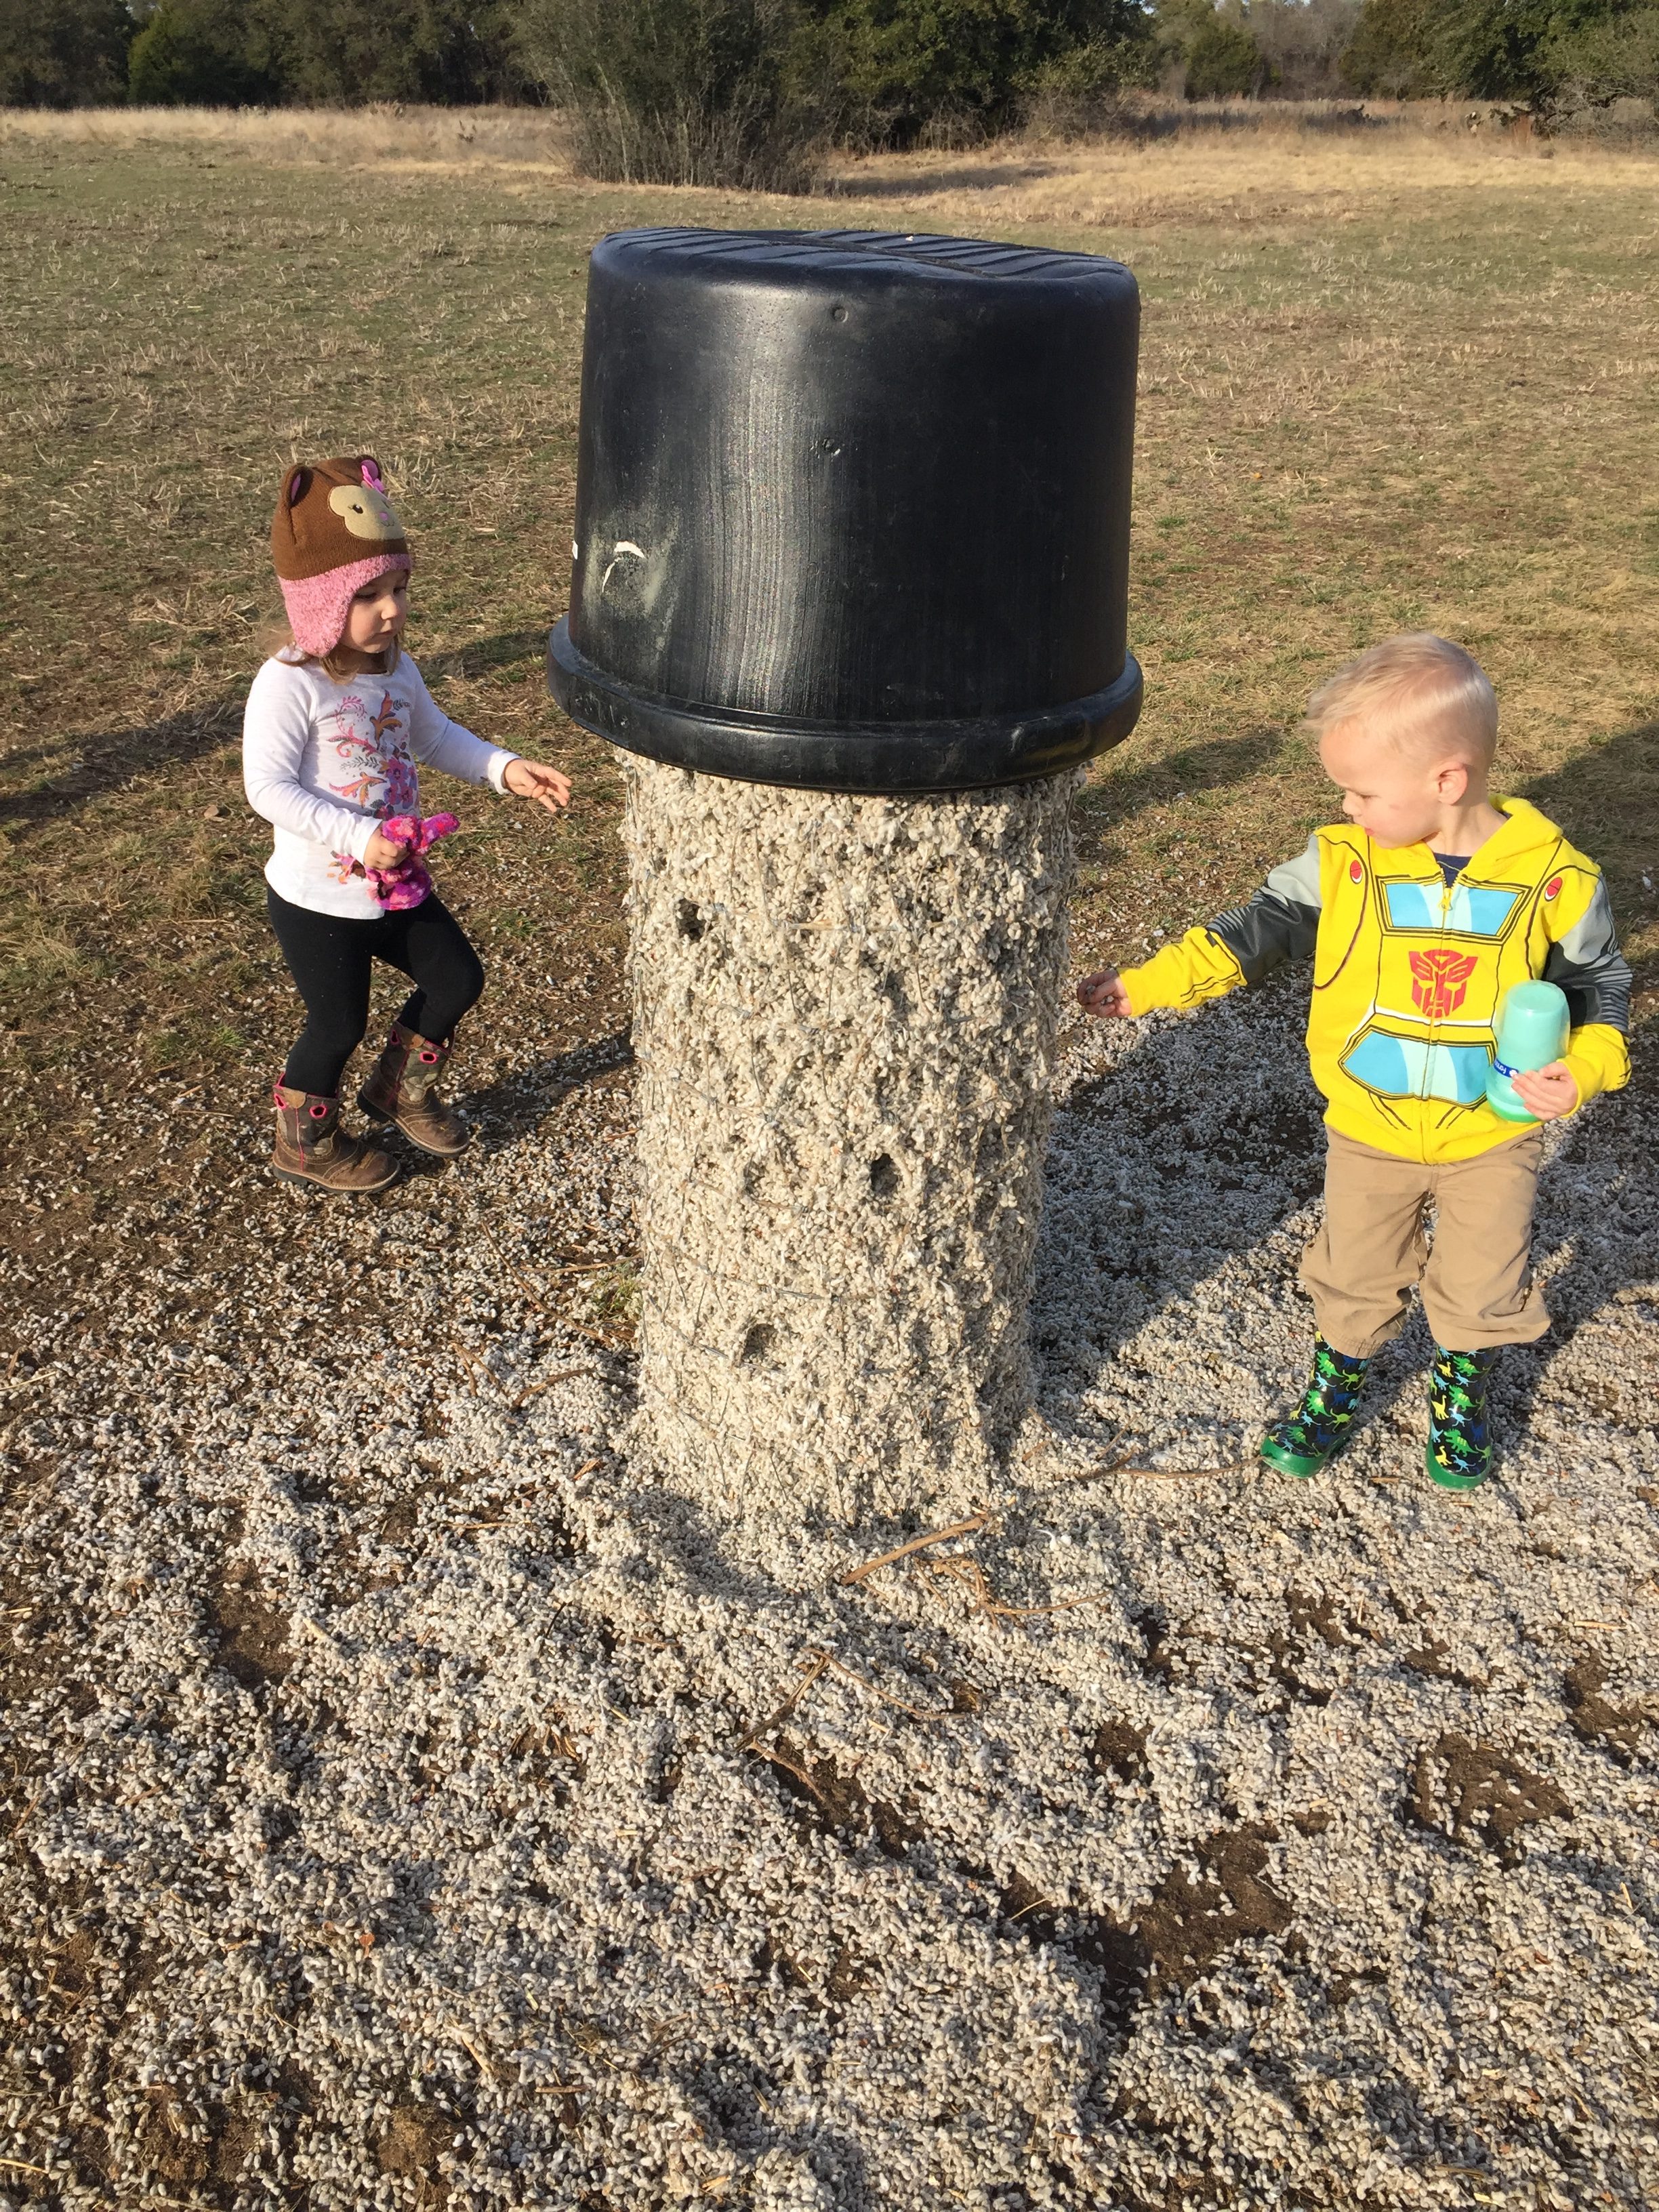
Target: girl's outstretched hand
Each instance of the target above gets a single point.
(1103, 993)
(529, 779)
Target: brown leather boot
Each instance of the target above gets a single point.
(312, 1147)
(402, 1090)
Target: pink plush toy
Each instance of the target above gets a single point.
(400, 887)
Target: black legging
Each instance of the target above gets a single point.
(331, 958)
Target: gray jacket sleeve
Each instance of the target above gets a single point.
(1588, 965)
(1277, 923)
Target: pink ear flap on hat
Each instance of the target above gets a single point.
(296, 485)
(371, 469)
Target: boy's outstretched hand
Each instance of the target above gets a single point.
(528, 779)
(1549, 1093)
(1103, 993)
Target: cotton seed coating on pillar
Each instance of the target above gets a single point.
(845, 1018)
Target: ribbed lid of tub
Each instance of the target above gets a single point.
(818, 249)
(853, 507)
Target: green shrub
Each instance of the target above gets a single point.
(742, 92)
(904, 69)
(230, 54)
(1547, 53)
(1301, 42)
(1391, 51)
(681, 92)
(445, 51)
(1222, 60)
(201, 53)
(1613, 58)
(1209, 52)
(1081, 91)
(63, 53)
(1488, 49)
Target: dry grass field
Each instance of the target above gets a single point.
(294, 1495)
(1390, 377)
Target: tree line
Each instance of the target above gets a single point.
(744, 92)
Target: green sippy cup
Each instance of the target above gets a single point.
(1532, 1031)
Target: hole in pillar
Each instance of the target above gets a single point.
(758, 1340)
(689, 921)
(883, 1180)
(990, 1153)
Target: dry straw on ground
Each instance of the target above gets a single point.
(370, 137)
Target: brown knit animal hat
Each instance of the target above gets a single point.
(334, 531)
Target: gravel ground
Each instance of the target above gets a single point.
(409, 1812)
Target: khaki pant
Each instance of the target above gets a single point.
(1477, 1275)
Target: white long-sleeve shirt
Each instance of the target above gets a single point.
(326, 759)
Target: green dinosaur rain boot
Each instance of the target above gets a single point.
(1320, 1424)
(1459, 1453)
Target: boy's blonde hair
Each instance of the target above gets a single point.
(1417, 693)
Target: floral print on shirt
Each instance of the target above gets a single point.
(372, 768)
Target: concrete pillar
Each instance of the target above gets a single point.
(845, 1012)
(849, 592)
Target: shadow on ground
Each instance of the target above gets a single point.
(1184, 1182)
(938, 180)
(106, 759)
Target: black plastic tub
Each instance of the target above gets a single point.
(853, 508)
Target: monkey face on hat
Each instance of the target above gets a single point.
(334, 531)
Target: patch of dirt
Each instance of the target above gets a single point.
(1433, 1658)
(181, 2152)
(1618, 1729)
(1118, 1954)
(1319, 1616)
(1282, 1134)
(847, 1976)
(398, 1523)
(1021, 1901)
(1479, 1796)
(252, 1634)
(1118, 1752)
(1159, 1664)
(414, 2137)
(1285, 1653)
(1343, 1987)
(1312, 1620)
(838, 1802)
(1188, 1923)
(773, 1959)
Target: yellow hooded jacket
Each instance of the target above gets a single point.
(1409, 972)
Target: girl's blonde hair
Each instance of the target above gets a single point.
(1417, 693)
(381, 665)
(275, 637)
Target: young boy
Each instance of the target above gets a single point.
(1419, 911)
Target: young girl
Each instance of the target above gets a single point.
(334, 724)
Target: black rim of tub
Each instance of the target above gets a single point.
(870, 757)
